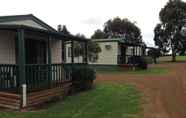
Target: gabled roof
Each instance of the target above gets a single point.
(14, 18)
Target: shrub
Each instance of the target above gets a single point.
(142, 63)
(149, 59)
(82, 78)
(139, 61)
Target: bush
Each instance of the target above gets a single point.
(82, 78)
(149, 59)
(139, 61)
(142, 63)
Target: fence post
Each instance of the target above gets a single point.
(24, 96)
(49, 63)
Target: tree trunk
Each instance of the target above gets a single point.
(173, 55)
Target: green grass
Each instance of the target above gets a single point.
(149, 71)
(181, 58)
(105, 101)
(169, 59)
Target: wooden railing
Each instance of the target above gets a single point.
(124, 59)
(38, 76)
(8, 77)
(41, 77)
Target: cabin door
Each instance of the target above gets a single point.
(35, 51)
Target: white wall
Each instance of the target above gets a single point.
(68, 57)
(8, 52)
(56, 50)
(7, 47)
(107, 57)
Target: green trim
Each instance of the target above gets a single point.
(21, 58)
(50, 29)
(119, 40)
(124, 43)
(49, 62)
(56, 35)
(86, 52)
(72, 51)
(27, 17)
(107, 41)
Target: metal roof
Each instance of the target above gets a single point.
(47, 32)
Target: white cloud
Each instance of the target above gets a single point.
(93, 21)
(85, 16)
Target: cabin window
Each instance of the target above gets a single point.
(108, 47)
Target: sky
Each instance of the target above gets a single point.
(85, 16)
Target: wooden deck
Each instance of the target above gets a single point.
(13, 100)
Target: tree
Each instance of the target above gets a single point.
(98, 34)
(93, 49)
(154, 53)
(120, 28)
(168, 34)
(63, 29)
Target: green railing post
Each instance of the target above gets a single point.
(72, 51)
(86, 52)
(49, 62)
(21, 57)
(21, 68)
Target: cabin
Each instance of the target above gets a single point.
(114, 52)
(117, 52)
(33, 65)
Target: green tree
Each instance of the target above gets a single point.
(154, 53)
(120, 28)
(63, 29)
(93, 49)
(168, 34)
(99, 34)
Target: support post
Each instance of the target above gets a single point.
(86, 52)
(72, 51)
(133, 51)
(49, 62)
(63, 51)
(21, 66)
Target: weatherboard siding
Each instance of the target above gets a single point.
(7, 47)
(56, 50)
(8, 53)
(68, 56)
(108, 57)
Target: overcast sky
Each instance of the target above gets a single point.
(85, 16)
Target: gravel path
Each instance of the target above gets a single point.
(164, 95)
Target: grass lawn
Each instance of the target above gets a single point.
(181, 58)
(105, 101)
(169, 58)
(149, 71)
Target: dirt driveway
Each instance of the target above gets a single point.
(164, 95)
